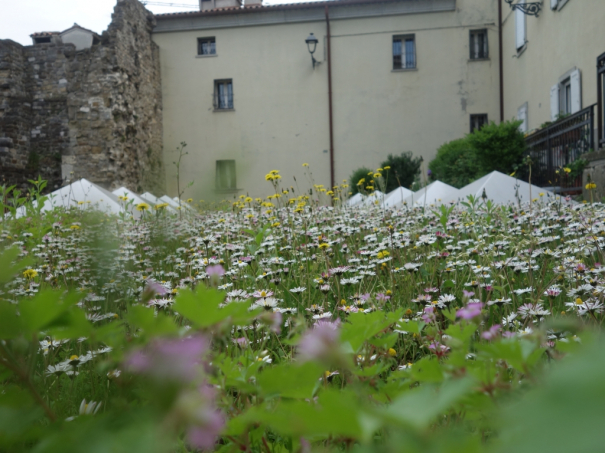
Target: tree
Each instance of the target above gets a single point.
(456, 164)
(401, 169)
(357, 176)
(498, 146)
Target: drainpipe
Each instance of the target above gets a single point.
(330, 101)
(500, 61)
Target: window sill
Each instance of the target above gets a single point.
(224, 110)
(478, 59)
(227, 191)
(521, 50)
(207, 56)
(404, 70)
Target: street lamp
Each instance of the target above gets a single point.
(312, 45)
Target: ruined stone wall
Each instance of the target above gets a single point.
(94, 113)
(15, 113)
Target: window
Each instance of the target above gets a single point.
(225, 175)
(206, 46)
(404, 52)
(478, 44)
(478, 121)
(566, 96)
(522, 115)
(223, 94)
(43, 40)
(520, 28)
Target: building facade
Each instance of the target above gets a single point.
(239, 87)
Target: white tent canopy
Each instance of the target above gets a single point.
(501, 189)
(153, 200)
(395, 198)
(436, 193)
(136, 199)
(376, 199)
(84, 195)
(355, 199)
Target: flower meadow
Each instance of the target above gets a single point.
(299, 324)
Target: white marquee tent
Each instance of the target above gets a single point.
(136, 199)
(394, 198)
(355, 199)
(81, 194)
(502, 189)
(153, 200)
(436, 193)
(376, 199)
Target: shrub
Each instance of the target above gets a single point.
(401, 170)
(357, 176)
(494, 147)
(455, 164)
(498, 146)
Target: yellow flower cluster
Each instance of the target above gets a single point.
(273, 175)
(591, 186)
(142, 207)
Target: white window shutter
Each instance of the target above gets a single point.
(522, 115)
(576, 91)
(554, 4)
(520, 27)
(554, 102)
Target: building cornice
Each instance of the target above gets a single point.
(296, 13)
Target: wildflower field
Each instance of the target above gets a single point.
(287, 325)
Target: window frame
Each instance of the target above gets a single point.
(565, 96)
(225, 169)
(201, 42)
(476, 33)
(217, 98)
(475, 118)
(403, 39)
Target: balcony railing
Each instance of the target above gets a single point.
(558, 145)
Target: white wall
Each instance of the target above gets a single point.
(281, 110)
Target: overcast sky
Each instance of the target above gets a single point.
(21, 18)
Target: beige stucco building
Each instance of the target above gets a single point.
(550, 60)
(239, 87)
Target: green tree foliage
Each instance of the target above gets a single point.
(494, 147)
(455, 164)
(357, 176)
(403, 170)
(498, 146)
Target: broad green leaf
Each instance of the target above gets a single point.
(427, 370)
(290, 381)
(419, 407)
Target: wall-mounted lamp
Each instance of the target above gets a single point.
(312, 45)
(530, 9)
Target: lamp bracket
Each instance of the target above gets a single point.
(529, 9)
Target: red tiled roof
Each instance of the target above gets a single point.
(260, 8)
(43, 34)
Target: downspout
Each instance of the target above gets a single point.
(330, 101)
(500, 61)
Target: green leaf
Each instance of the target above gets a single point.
(385, 342)
(44, 309)
(10, 323)
(362, 327)
(144, 318)
(427, 370)
(7, 269)
(202, 308)
(419, 407)
(290, 381)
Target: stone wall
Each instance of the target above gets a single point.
(94, 113)
(595, 172)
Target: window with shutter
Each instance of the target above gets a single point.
(522, 115)
(520, 27)
(225, 175)
(554, 102)
(575, 91)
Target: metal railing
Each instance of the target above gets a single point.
(600, 99)
(558, 145)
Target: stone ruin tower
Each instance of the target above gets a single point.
(78, 105)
